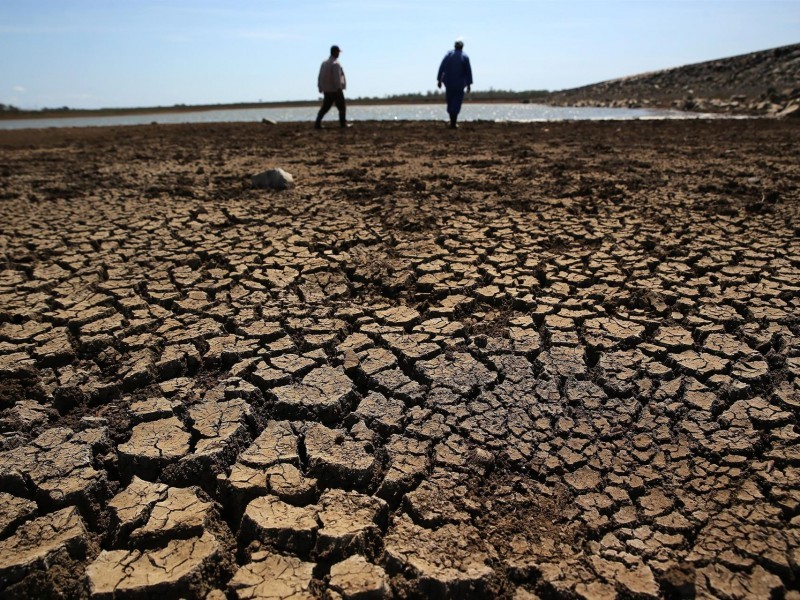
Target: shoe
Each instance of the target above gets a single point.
(453, 126)
(346, 125)
(317, 126)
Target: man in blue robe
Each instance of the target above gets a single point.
(456, 74)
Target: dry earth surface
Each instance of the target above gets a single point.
(554, 360)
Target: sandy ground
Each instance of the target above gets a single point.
(550, 360)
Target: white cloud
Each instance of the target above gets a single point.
(20, 89)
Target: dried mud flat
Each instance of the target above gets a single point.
(517, 360)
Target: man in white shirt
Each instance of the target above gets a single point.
(331, 84)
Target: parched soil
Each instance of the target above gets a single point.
(551, 360)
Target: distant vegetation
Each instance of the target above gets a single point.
(8, 108)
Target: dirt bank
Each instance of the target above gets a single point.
(546, 360)
(757, 83)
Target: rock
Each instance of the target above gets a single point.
(791, 111)
(273, 179)
(182, 569)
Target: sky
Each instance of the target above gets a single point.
(131, 53)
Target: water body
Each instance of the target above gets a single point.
(513, 112)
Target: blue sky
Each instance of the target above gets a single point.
(121, 53)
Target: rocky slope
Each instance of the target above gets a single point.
(762, 83)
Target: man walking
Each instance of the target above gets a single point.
(456, 74)
(331, 84)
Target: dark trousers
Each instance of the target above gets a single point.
(454, 99)
(329, 100)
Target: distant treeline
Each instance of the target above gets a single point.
(8, 108)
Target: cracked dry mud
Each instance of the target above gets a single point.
(555, 360)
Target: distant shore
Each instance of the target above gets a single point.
(185, 108)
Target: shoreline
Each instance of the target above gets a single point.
(666, 113)
(156, 110)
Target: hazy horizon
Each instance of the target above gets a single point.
(93, 54)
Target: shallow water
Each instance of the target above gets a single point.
(516, 112)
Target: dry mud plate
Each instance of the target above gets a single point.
(520, 361)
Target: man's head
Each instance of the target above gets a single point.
(335, 50)
(459, 44)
